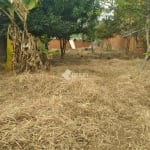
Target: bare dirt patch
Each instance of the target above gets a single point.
(107, 110)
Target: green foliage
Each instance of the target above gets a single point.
(57, 18)
(5, 4)
(43, 49)
(56, 53)
(46, 52)
(132, 14)
(128, 16)
(106, 29)
(44, 39)
(30, 4)
(4, 22)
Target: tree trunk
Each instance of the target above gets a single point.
(128, 45)
(92, 45)
(63, 43)
(109, 46)
(135, 43)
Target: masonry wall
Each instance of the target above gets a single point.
(55, 44)
(119, 43)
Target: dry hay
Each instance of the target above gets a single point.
(108, 110)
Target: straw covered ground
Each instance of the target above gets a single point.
(104, 106)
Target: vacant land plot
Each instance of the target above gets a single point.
(104, 106)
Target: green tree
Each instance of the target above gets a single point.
(135, 21)
(60, 19)
(130, 18)
(106, 29)
(133, 17)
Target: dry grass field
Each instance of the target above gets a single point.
(104, 106)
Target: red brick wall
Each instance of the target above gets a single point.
(119, 43)
(79, 44)
(82, 44)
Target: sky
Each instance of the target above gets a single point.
(107, 12)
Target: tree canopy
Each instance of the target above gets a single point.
(128, 16)
(60, 19)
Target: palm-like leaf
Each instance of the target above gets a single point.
(7, 8)
(30, 4)
(4, 4)
(21, 7)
